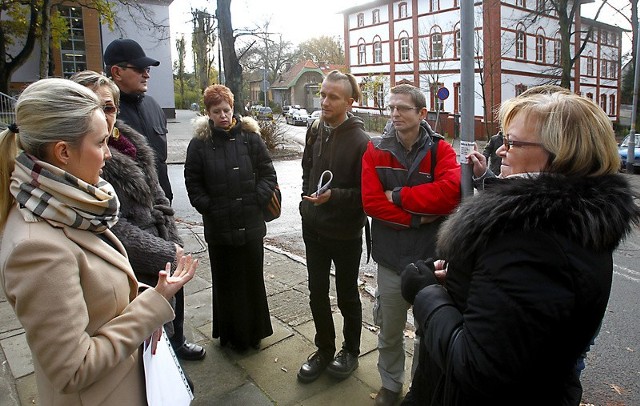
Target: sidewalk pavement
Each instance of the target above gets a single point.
(258, 377)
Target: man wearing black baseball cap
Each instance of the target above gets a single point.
(129, 67)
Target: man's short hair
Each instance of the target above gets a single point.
(416, 94)
(336, 75)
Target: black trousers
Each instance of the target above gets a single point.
(345, 255)
(177, 339)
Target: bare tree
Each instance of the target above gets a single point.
(232, 67)
(179, 66)
(203, 45)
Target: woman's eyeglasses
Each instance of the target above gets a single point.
(109, 109)
(511, 143)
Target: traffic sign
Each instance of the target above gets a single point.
(443, 93)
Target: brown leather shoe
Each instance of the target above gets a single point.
(386, 397)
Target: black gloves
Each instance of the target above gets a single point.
(415, 277)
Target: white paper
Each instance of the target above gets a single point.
(466, 147)
(166, 383)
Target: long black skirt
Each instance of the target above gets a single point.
(240, 308)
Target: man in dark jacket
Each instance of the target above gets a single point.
(332, 222)
(410, 181)
(129, 67)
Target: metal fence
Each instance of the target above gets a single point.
(7, 110)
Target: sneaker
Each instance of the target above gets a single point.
(343, 364)
(311, 370)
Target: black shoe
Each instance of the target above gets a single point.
(190, 352)
(386, 397)
(311, 370)
(343, 364)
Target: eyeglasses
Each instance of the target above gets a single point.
(511, 143)
(139, 71)
(401, 109)
(108, 109)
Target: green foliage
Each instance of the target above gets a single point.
(192, 93)
(322, 49)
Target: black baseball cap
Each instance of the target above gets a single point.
(129, 51)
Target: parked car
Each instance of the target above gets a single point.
(287, 117)
(285, 110)
(265, 113)
(313, 117)
(623, 148)
(298, 116)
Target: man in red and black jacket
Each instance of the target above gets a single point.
(410, 182)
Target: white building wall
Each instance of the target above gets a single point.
(156, 45)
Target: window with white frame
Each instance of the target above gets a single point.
(376, 16)
(435, 5)
(604, 68)
(362, 54)
(377, 50)
(404, 48)
(557, 52)
(520, 44)
(613, 69)
(590, 64)
(604, 37)
(612, 105)
(603, 102)
(521, 3)
(73, 48)
(540, 48)
(457, 48)
(402, 10)
(380, 95)
(361, 20)
(436, 44)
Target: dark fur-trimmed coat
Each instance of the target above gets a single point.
(230, 178)
(530, 271)
(146, 226)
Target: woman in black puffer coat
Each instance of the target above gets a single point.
(230, 178)
(530, 263)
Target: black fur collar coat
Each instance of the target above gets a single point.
(146, 226)
(530, 271)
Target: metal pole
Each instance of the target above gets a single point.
(467, 93)
(631, 147)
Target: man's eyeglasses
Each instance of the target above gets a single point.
(139, 71)
(511, 143)
(401, 109)
(109, 109)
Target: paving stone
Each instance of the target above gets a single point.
(7, 383)
(247, 394)
(18, 355)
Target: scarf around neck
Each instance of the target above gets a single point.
(44, 191)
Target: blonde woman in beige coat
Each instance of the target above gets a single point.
(65, 274)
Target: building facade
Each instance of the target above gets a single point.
(517, 46)
(89, 36)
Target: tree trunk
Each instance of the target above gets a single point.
(232, 68)
(45, 39)
(8, 67)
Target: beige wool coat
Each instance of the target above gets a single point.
(77, 299)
